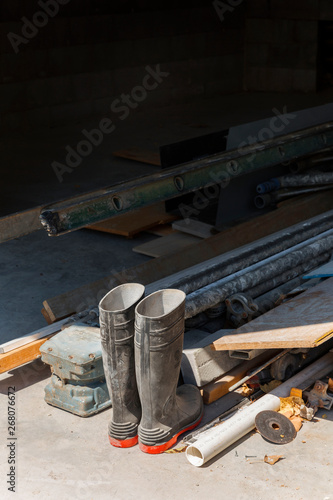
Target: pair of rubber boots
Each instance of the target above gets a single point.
(142, 343)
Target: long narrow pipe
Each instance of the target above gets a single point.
(217, 439)
(268, 199)
(297, 180)
(198, 276)
(211, 295)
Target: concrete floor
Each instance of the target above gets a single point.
(64, 456)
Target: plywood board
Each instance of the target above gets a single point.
(143, 156)
(194, 227)
(21, 355)
(134, 222)
(305, 321)
(324, 271)
(166, 244)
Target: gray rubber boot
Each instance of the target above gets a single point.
(117, 310)
(167, 411)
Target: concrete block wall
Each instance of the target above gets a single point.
(92, 51)
(282, 44)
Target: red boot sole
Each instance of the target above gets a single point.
(154, 450)
(125, 443)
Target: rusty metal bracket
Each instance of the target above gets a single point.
(318, 396)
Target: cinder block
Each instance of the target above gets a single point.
(282, 31)
(305, 80)
(13, 97)
(297, 9)
(284, 56)
(326, 10)
(257, 78)
(257, 54)
(37, 94)
(39, 117)
(60, 90)
(259, 30)
(280, 79)
(258, 8)
(308, 56)
(81, 86)
(102, 84)
(306, 31)
(201, 365)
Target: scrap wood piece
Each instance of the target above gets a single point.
(272, 459)
(220, 387)
(288, 213)
(165, 245)
(305, 321)
(132, 223)
(195, 228)
(21, 355)
(140, 155)
(30, 337)
(19, 224)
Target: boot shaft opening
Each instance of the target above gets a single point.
(160, 303)
(122, 297)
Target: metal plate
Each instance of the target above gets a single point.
(275, 427)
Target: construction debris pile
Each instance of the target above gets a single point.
(246, 311)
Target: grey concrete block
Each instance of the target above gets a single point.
(305, 9)
(326, 10)
(39, 117)
(308, 56)
(60, 90)
(305, 80)
(81, 87)
(284, 55)
(282, 31)
(102, 84)
(280, 79)
(259, 30)
(257, 78)
(13, 97)
(201, 365)
(306, 31)
(227, 85)
(256, 54)
(258, 8)
(37, 94)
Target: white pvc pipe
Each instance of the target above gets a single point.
(217, 439)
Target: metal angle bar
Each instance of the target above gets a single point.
(188, 177)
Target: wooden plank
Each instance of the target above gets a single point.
(29, 337)
(46, 316)
(305, 321)
(165, 245)
(19, 224)
(134, 222)
(21, 355)
(161, 230)
(325, 271)
(289, 212)
(220, 387)
(143, 156)
(195, 228)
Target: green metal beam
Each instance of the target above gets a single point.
(217, 169)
